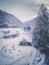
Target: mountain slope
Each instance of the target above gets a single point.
(34, 21)
(30, 25)
(8, 20)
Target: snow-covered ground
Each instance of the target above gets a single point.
(18, 55)
(21, 35)
(11, 53)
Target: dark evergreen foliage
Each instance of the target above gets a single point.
(40, 33)
(28, 28)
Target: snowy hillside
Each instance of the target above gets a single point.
(14, 35)
(8, 20)
(30, 25)
(17, 55)
(17, 46)
(11, 52)
(42, 15)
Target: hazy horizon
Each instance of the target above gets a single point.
(23, 9)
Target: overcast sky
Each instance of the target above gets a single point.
(23, 9)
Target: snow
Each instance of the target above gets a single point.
(10, 51)
(21, 55)
(17, 39)
(9, 20)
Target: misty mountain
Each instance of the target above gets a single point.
(8, 20)
(42, 14)
(30, 25)
(34, 21)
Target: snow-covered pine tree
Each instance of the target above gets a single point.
(40, 34)
(42, 9)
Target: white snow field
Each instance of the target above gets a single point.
(20, 35)
(18, 56)
(11, 53)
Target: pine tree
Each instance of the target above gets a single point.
(42, 9)
(40, 34)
